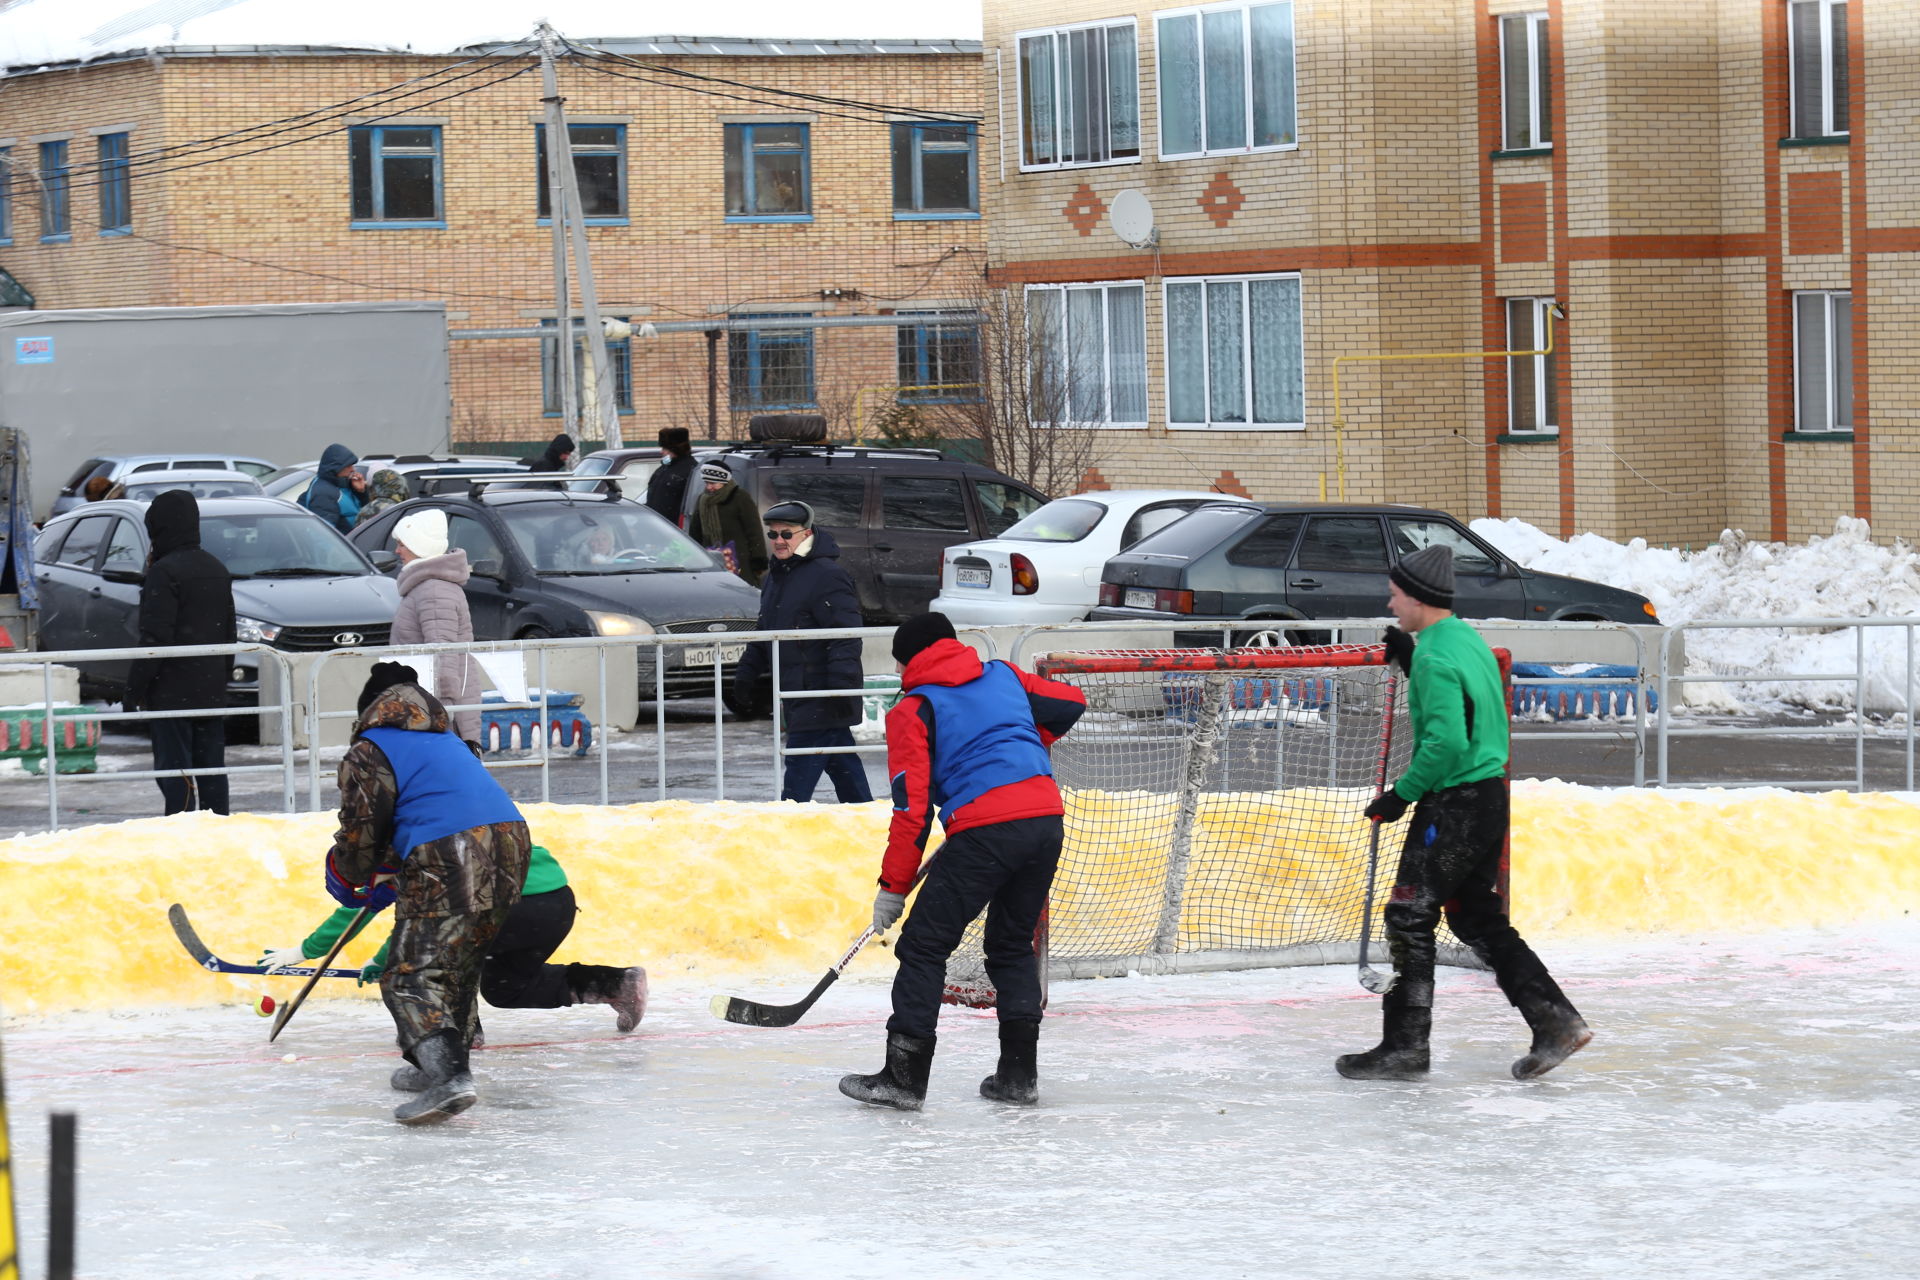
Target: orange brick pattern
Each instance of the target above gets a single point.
(1084, 210)
(1523, 222)
(1221, 200)
(1814, 220)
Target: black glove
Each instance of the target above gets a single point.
(1399, 649)
(1387, 807)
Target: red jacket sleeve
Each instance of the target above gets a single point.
(910, 770)
(1056, 707)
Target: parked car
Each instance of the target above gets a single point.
(627, 469)
(555, 563)
(893, 511)
(289, 484)
(297, 584)
(145, 486)
(1310, 560)
(1046, 568)
(119, 467)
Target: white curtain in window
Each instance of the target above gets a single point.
(1226, 79)
(1272, 33)
(1123, 93)
(1186, 354)
(1180, 85)
(1810, 360)
(1127, 353)
(1226, 365)
(1046, 355)
(1278, 383)
(1086, 356)
(1036, 99)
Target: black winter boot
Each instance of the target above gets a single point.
(1559, 1031)
(902, 1083)
(1017, 1078)
(624, 989)
(408, 1078)
(443, 1057)
(1402, 1051)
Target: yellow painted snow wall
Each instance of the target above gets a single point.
(699, 890)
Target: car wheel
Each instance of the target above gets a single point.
(534, 633)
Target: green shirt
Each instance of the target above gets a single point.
(1458, 706)
(543, 876)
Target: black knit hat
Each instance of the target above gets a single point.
(383, 677)
(916, 634)
(1427, 576)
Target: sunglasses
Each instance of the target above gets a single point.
(781, 535)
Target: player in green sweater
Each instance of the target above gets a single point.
(515, 974)
(1456, 783)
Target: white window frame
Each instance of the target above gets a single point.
(1828, 60)
(1541, 405)
(1246, 351)
(1539, 122)
(1246, 65)
(1106, 354)
(1831, 356)
(1020, 96)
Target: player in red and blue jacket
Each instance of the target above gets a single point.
(970, 741)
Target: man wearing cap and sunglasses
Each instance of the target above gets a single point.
(807, 589)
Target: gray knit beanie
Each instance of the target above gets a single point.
(1427, 576)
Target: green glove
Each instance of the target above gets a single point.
(371, 971)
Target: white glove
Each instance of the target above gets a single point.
(284, 958)
(886, 909)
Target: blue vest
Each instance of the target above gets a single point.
(440, 788)
(984, 737)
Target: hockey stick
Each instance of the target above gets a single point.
(750, 1013)
(1370, 978)
(204, 957)
(299, 997)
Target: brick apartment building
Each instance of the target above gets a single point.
(1723, 196)
(712, 185)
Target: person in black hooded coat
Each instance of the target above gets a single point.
(187, 599)
(558, 457)
(805, 589)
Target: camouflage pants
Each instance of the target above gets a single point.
(455, 894)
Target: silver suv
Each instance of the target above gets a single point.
(118, 467)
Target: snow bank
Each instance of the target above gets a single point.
(1846, 575)
(34, 32)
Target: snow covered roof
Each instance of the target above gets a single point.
(37, 33)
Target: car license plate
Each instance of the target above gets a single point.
(1139, 598)
(704, 657)
(973, 577)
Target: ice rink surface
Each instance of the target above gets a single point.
(1748, 1109)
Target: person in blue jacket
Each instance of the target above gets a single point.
(338, 488)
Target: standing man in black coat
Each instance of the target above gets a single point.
(806, 589)
(187, 599)
(558, 457)
(667, 486)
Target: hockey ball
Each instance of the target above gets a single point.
(264, 1006)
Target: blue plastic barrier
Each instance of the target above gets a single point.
(513, 728)
(1566, 701)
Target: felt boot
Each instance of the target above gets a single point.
(1017, 1077)
(902, 1082)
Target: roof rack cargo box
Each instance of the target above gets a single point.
(799, 428)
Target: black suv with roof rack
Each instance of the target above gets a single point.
(893, 511)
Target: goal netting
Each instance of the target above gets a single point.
(1214, 812)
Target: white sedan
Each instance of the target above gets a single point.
(1047, 567)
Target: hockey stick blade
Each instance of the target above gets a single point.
(204, 957)
(749, 1013)
(288, 1009)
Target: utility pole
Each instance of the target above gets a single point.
(603, 411)
(557, 208)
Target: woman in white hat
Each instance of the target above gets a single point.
(433, 610)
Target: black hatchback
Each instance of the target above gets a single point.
(1311, 560)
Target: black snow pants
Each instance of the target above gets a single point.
(198, 743)
(516, 975)
(1451, 862)
(1005, 867)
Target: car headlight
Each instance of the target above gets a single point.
(254, 631)
(619, 624)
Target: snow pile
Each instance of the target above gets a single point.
(36, 32)
(1846, 575)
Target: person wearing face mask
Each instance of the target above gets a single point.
(807, 589)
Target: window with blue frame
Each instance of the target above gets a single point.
(55, 223)
(116, 197)
(770, 368)
(939, 363)
(619, 355)
(599, 165)
(6, 195)
(934, 173)
(396, 175)
(768, 172)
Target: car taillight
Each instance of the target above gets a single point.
(1110, 593)
(1025, 580)
(1173, 601)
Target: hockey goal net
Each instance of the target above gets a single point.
(1214, 812)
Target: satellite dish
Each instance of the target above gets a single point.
(1131, 217)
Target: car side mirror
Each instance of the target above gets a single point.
(384, 561)
(130, 577)
(489, 569)
(1508, 569)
